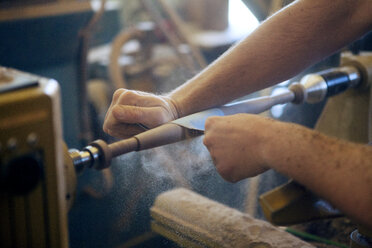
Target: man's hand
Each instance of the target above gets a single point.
(130, 108)
(245, 145)
(237, 144)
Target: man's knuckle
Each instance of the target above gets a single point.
(208, 122)
(104, 128)
(129, 94)
(225, 171)
(232, 179)
(107, 126)
(117, 94)
(127, 98)
(206, 140)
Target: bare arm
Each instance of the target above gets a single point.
(285, 44)
(278, 49)
(336, 170)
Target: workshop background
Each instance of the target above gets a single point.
(93, 48)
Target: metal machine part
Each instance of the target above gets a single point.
(82, 159)
(36, 186)
(361, 238)
(316, 87)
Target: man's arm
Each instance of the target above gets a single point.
(336, 170)
(281, 47)
(278, 49)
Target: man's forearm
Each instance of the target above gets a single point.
(338, 171)
(281, 47)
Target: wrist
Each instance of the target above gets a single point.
(174, 107)
(276, 147)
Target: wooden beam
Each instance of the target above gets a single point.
(43, 10)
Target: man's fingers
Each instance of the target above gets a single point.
(124, 131)
(134, 98)
(148, 116)
(213, 126)
(214, 122)
(129, 108)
